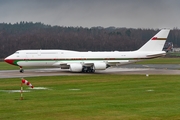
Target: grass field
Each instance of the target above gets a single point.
(102, 97)
(6, 66)
(161, 61)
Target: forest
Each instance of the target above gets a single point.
(29, 35)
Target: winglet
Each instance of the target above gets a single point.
(156, 43)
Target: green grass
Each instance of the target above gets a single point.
(174, 54)
(6, 66)
(161, 61)
(102, 97)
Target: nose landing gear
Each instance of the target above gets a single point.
(21, 69)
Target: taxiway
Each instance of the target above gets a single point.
(132, 69)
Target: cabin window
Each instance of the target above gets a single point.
(48, 53)
(31, 53)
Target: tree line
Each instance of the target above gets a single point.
(29, 35)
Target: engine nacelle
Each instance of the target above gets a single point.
(100, 66)
(76, 67)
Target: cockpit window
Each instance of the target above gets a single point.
(16, 53)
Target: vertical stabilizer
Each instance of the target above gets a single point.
(156, 43)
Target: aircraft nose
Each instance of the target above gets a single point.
(9, 61)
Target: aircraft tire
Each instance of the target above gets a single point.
(21, 71)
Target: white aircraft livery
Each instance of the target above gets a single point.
(88, 61)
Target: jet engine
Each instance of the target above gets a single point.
(100, 66)
(76, 67)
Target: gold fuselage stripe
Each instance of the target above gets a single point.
(158, 38)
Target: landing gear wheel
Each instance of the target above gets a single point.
(92, 71)
(88, 70)
(21, 70)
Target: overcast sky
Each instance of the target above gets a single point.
(90, 13)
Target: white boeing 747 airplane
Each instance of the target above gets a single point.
(88, 61)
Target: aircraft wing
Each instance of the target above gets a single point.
(66, 65)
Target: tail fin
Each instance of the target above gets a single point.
(156, 43)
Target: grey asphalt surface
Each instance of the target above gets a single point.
(150, 69)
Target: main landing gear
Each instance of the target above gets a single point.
(88, 70)
(21, 70)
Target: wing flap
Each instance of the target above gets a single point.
(117, 62)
